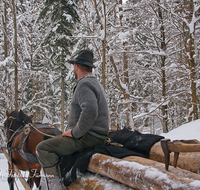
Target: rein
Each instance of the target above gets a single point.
(20, 128)
(15, 132)
(41, 131)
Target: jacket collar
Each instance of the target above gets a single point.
(85, 76)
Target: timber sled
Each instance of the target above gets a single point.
(147, 171)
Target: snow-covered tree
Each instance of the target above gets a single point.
(59, 17)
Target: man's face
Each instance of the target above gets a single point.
(75, 73)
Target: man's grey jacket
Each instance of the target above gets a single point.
(89, 109)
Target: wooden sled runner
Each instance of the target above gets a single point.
(178, 146)
(189, 154)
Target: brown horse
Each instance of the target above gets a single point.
(22, 140)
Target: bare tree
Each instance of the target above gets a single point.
(15, 53)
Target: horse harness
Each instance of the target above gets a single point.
(26, 129)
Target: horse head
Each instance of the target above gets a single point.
(15, 120)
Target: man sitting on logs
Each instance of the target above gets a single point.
(88, 121)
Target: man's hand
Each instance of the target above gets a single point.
(67, 133)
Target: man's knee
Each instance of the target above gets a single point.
(39, 148)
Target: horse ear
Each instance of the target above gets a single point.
(21, 114)
(31, 116)
(7, 114)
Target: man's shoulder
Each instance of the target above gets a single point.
(89, 83)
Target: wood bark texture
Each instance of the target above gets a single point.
(140, 173)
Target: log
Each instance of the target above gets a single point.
(187, 160)
(140, 173)
(18, 173)
(175, 171)
(85, 184)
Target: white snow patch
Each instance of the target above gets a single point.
(7, 60)
(154, 173)
(187, 131)
(123, 35)
(134, 165)
(195, 183)
(68, 17)
(55, 28)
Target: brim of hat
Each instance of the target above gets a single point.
(72, 61)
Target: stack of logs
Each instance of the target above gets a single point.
(140, 173)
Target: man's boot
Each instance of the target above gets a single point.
(43, 181)
(53, 179)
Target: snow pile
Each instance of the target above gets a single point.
(187, 131)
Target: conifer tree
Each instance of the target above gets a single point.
(59, 17)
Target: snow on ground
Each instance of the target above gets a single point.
(4, 174)
(187, 131)
(107, 183)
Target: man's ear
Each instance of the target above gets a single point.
(76, 67)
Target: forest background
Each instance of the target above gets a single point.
(147, 54)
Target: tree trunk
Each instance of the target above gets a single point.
(62, 103)
(62, 96)
(163, 74)
(126, 75)
(104, 50)
(15, 55)
(190, 52)
(123, 90)
(126, 81)
(192, 65)
(4, 19)
(33, 79)
(103, 27)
